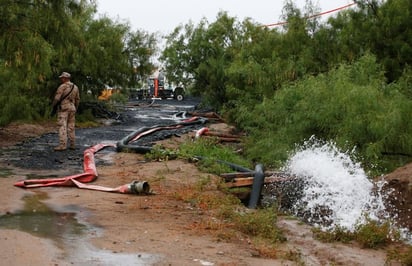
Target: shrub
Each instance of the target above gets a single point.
(260, 223)
(373, 234)
(351, 106)
(212, 155)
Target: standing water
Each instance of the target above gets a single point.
(336, 190)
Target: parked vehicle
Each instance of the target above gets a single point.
(157, 87)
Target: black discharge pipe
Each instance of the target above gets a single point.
(258, 181)
(124, 144)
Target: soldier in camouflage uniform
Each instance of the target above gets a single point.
(67, 100)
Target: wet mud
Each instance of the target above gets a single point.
(66, 225)
(38, 153)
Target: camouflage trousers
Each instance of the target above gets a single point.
(66, 122)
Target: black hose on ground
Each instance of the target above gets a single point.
(124, 144)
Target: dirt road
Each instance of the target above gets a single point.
(71, 226)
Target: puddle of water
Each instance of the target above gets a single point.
(154, 116)
(179, 107)
(166, 113)
(68, 233)
(22, 173)
(38, 219)
(88, 255)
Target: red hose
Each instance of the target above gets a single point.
(201, 131)
(89, 174)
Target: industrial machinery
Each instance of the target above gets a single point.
(157, 87)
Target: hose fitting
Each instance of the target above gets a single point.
(139, 187)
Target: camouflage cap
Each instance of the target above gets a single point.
(65, 75)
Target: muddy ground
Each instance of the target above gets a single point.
(71, 226)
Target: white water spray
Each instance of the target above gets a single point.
(335, 186)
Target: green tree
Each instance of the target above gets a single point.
(391, 38)
(201, 54)
(140, 48)
(380, 27)
(102, 57)
(255, 72)
(351, 105)
(177, 58)
(39, 39)
(28, 29)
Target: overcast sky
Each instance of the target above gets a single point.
(164, 15)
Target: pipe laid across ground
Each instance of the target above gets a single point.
(257, 186)
(126, 144)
